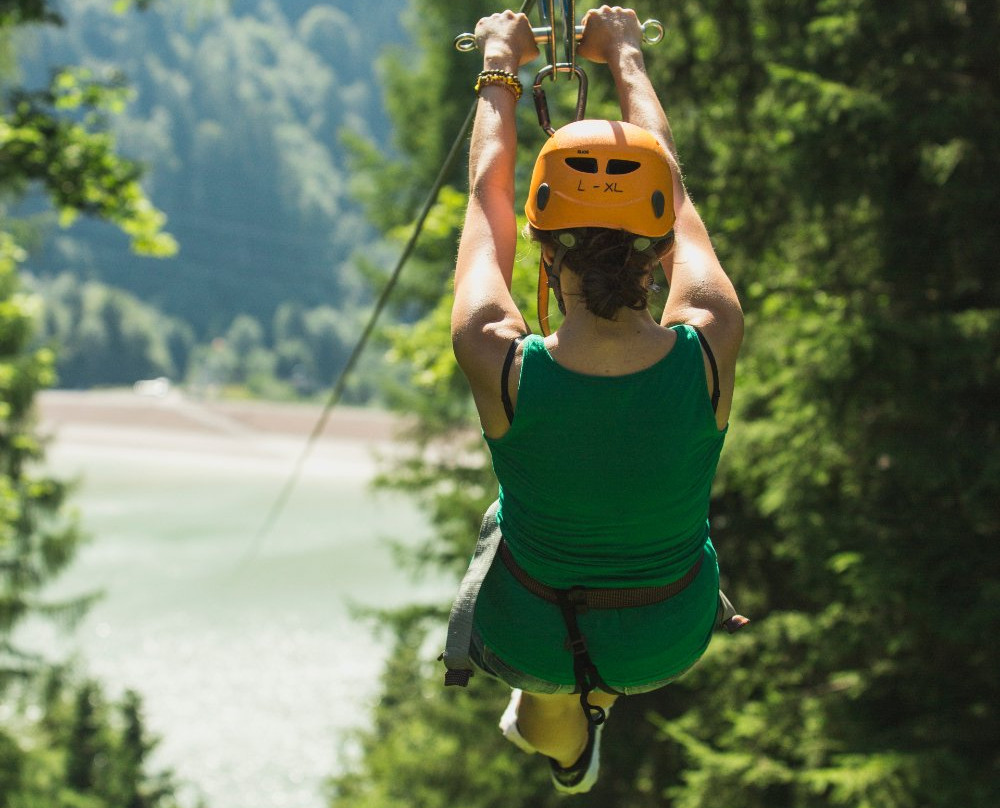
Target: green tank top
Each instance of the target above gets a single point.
(605, 481)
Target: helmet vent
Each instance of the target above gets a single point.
(622, 166)
(542, 196)
(659, 203)
(587, 165)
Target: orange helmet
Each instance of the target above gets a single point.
(602, 174)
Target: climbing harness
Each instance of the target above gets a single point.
(571, 602)
(578, 600)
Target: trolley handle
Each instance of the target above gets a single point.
(652, 33)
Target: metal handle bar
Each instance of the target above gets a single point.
(652, 32)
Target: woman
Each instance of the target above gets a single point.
(603, 433)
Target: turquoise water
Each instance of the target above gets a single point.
(252, 669)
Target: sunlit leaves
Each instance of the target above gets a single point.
(40, 142)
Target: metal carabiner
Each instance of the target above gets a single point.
(542, 105)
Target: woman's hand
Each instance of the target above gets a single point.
(607, 32)
(506, 41)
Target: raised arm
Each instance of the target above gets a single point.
(484, 316)
(701, 293)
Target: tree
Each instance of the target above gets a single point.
(104, 336)
(51, 140)
(842, 156)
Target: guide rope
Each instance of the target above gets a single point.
(337, 392)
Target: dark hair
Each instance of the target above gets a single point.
(612, 272)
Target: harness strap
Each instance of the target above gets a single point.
(599, 598)
(456, 652)
(585, 672)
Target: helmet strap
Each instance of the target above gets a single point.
(553, 271)
(548, 278)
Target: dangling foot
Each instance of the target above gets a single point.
(581, 776)
(508, 724)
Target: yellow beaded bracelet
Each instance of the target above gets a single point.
(502, 78)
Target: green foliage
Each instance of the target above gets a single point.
(237, 112)
(75, 165)
(79, 750)
(420, 753)
(842, 154)
(61, 743)
(103, 336)
(36, 538)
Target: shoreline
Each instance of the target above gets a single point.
(231, 634)
(176, 412)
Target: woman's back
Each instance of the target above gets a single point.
(605, 479)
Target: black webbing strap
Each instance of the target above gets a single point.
(715, 369)
(508, 406)
(588, 678)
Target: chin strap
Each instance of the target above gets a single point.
(548, 278)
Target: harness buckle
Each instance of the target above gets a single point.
(577, 598)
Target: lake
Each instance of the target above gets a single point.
(252, 669)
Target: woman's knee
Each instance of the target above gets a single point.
(560, 705)
(548, 705)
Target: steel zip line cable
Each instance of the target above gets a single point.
(338, 388)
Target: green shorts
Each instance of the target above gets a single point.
(521, 639)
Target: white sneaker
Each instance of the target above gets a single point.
(581, 776)
(508, 724)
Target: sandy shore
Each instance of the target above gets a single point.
(177, 413)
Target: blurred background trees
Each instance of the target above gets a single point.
(62, 741)
(239, 114)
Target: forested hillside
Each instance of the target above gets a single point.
(238, 111)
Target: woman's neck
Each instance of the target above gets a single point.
(581, 323)
(593, 345)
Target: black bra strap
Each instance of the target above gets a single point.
(715, 369)
(505, 374)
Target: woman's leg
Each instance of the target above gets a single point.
(556, 725)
